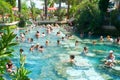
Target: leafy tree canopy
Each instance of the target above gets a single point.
(87, 17)
(5, 7)
(11, 2)
(103, 5)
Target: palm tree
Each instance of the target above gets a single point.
(45, 2)
(60, 1)
(68, 9)
(19, 6)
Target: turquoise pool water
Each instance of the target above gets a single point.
(52, 63)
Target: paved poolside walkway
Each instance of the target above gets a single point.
(9, 24)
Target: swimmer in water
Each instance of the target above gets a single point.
(21, 50)
(41, 48)
(47, 43)
(37, 46)
(63, 38)
(32, 48)
(43, 34)
(58, 42)
(85, 50)
(94, 42)
(110, 59)
(9, 66)
(101, 38)
(72, 59)
(37, 34)
(76, 43)
(58, 34)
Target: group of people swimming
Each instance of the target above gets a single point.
(37, 46)
(110, 39)
(49, 28)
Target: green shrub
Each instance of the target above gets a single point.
(5, 50)
(115, 19)
(88, 17)
(60, 14)
(22, 72)
(22, 22)
(28, 22)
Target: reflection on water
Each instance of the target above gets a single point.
(53, 64)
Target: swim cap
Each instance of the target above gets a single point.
(111, 51)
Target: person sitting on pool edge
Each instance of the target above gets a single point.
(110, 59)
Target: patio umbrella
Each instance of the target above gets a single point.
(15, 9)
(52, 8)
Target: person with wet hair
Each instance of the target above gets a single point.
(21, 50)
(72, 58)
(37, 34)
(43, 34)
(37, 46)
(63, 38)
(58, 33)
(76, 43)
(101, 38)
(17, 38)
(47, 43)
(9, 66)
(32, 48)
(41, 48)
(85, 50)
(58, 42)
(22, 35)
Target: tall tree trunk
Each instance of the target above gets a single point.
(19, 7)
(119, 5)
(60, 4)
(90, 0)
(3, 18)
(45, 9)
(68, 9)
